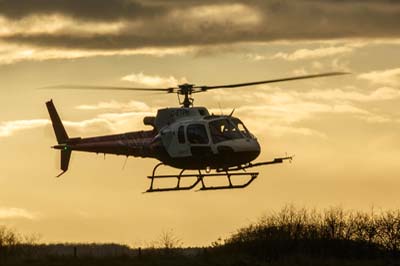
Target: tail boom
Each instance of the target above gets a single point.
(138, 144)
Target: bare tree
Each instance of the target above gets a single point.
(9, 241)
(168, 240)
(389, 230)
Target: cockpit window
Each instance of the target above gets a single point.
(197, 134)
(241, 127)
(222, 130)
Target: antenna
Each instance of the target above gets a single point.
(126, 159)
(220, 109)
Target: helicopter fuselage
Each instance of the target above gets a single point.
(187, 139)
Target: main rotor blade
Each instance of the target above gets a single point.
(85, 87)
(204, 88)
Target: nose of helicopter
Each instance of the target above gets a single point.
(254, 147)
(239, 151)
(250, 151)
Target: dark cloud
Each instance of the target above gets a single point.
(100, 10)
(159, 25)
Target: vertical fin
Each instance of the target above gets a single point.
(58, 127)
(61, 135)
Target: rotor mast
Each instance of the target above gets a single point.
(186, 90)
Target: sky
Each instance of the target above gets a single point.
(342, 130)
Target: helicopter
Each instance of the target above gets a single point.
(188, 138)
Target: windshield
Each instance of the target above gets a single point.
(240, 126)
(223, 129)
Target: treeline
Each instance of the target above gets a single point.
(330, 233)
(13, 244)
(16, 248)
(16, 245)
(291, 236)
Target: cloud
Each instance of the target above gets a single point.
(278, 96)
(160, 24)
(114, 105)
(380, 94)
(228, 14)
(153, 81)
(106, 123)
(85, 126)
(256, 57)
(286, 111)
(289, 118)
(304, 54)
(336, 64)
(130, 118)
(56, 24)
(293, 111)
(95, 10)
(9, 128)
(390, 77)
(11, 53)
(16, 213)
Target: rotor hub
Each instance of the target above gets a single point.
(186, 90)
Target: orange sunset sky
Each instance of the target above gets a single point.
(343, 130)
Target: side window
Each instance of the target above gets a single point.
(197, 134)
(181, 134)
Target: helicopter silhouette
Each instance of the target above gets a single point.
(186, 137)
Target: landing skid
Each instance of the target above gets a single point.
(200, 177)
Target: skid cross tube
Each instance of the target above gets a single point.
(178, 185)
(231, 186)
